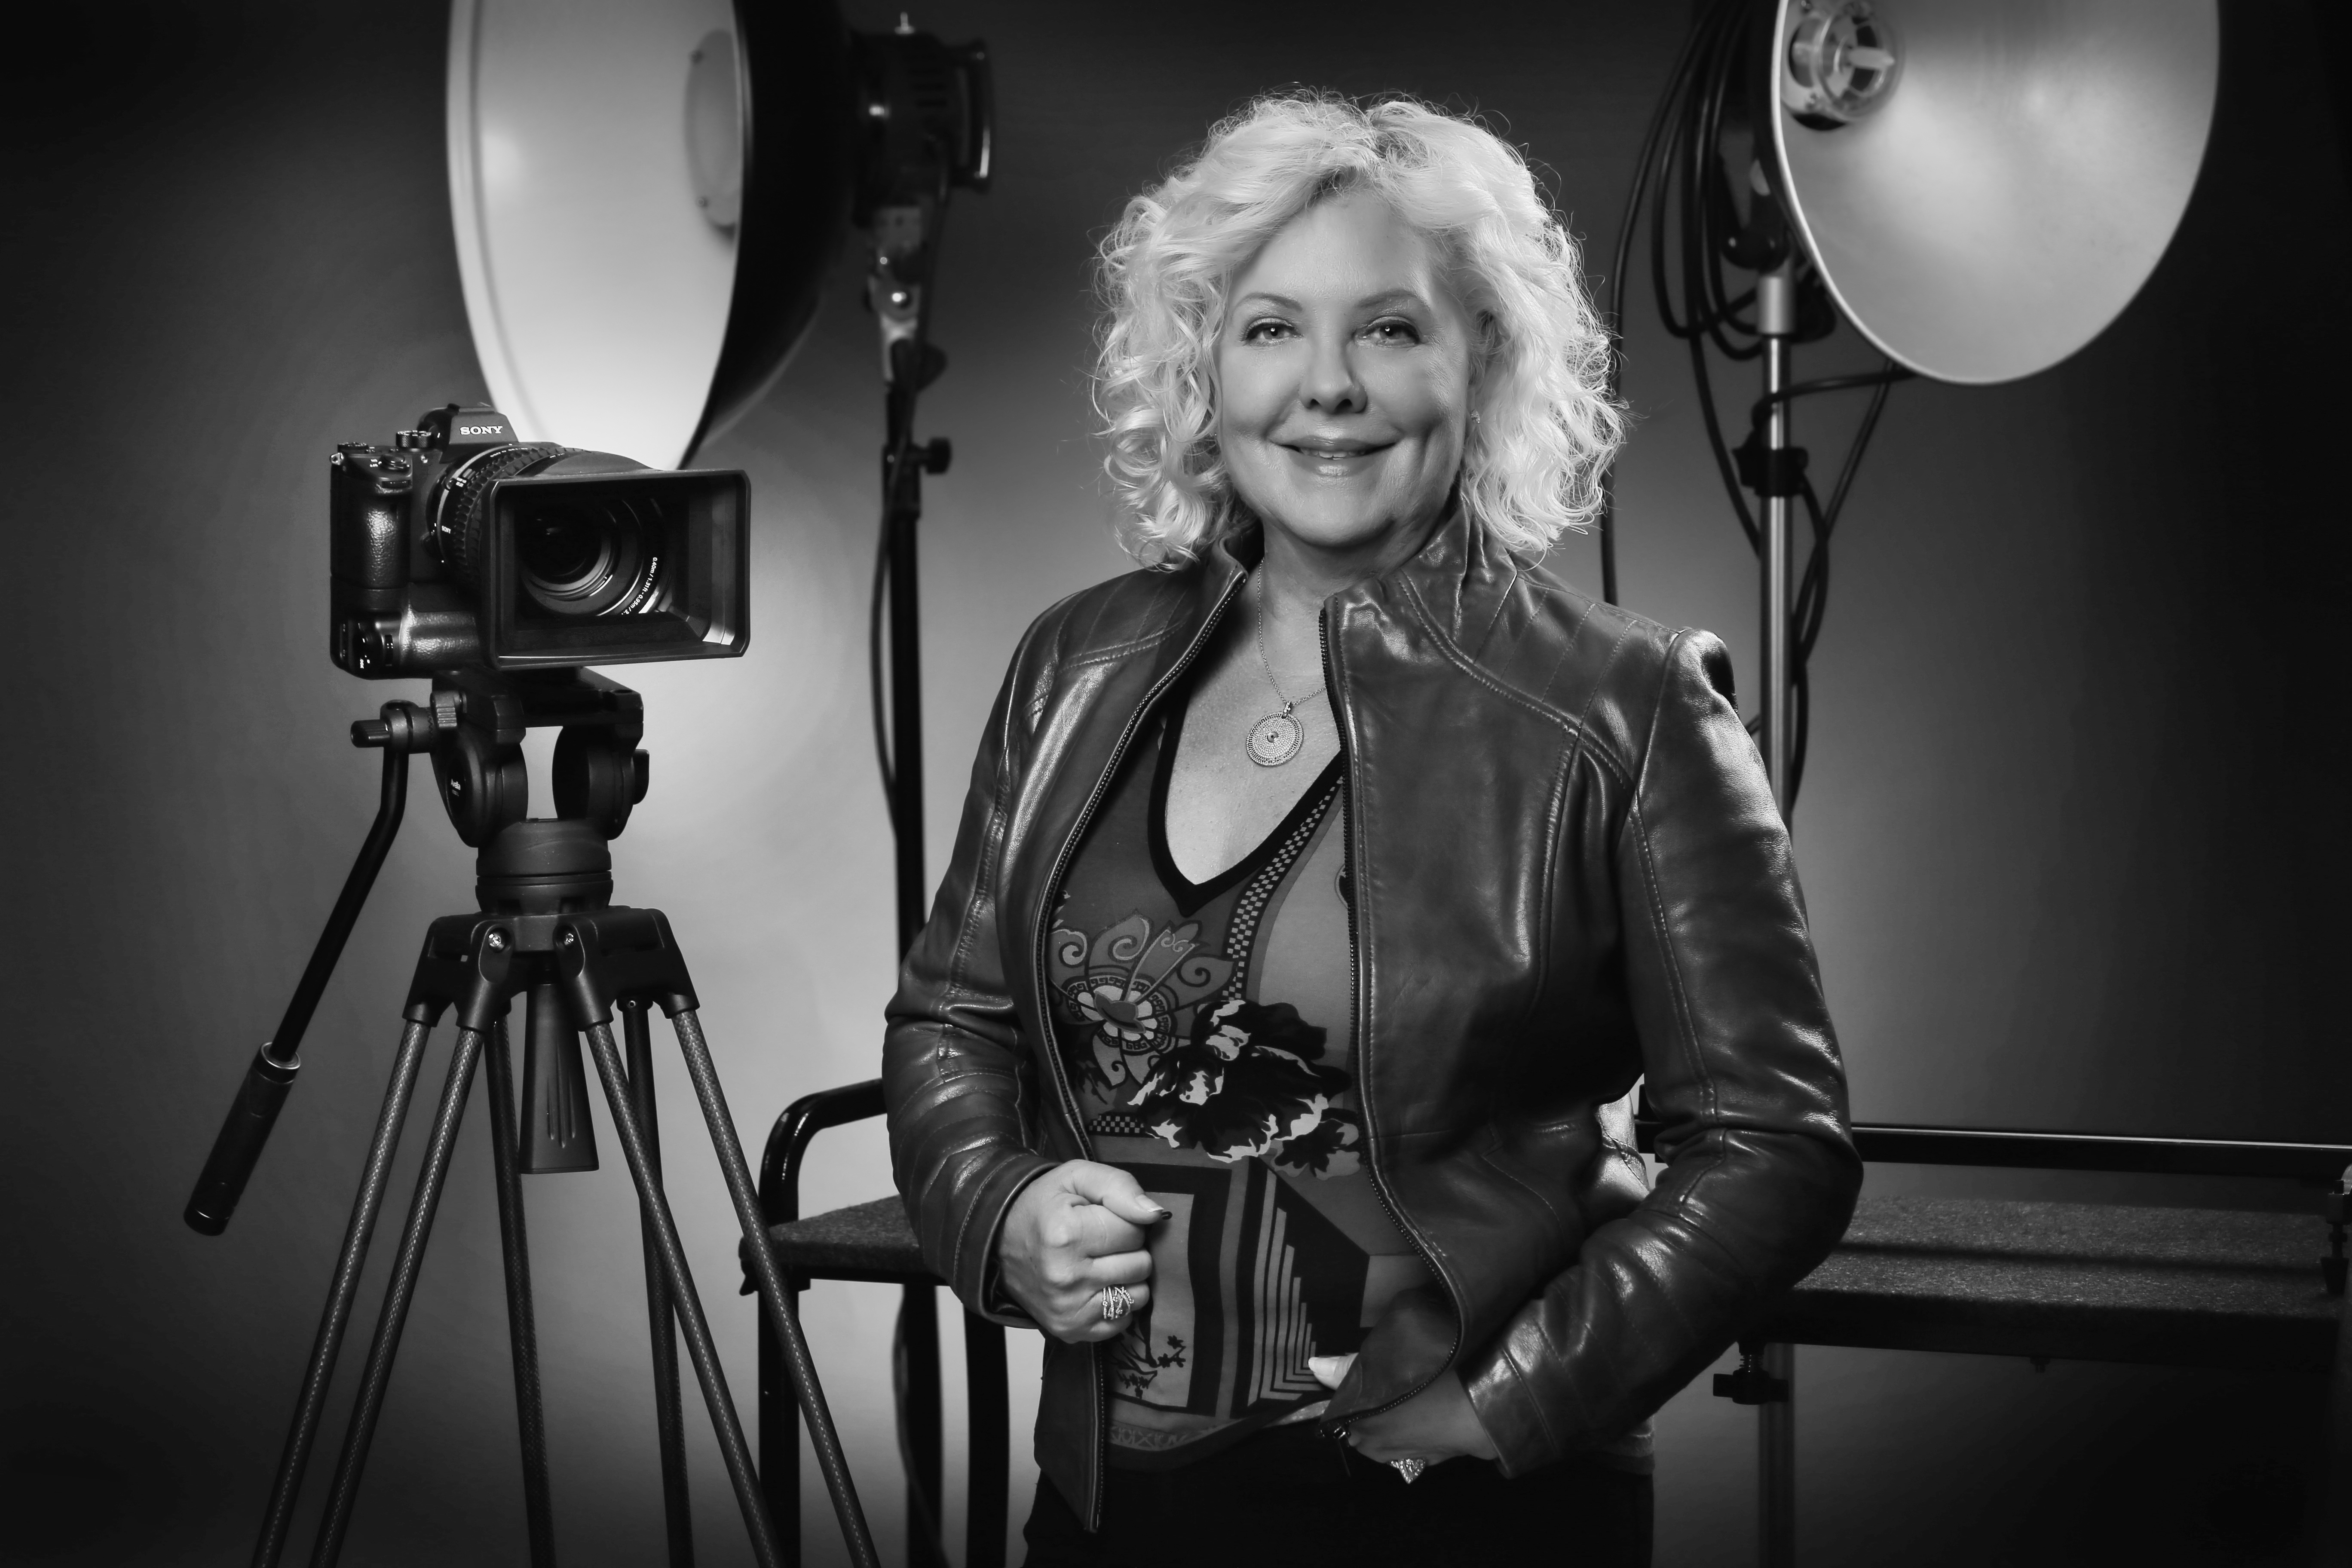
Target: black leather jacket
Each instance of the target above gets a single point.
(1568, 872)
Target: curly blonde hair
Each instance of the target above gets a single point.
(1546, 425)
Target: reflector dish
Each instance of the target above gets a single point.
(646, 196)
(2026, 168)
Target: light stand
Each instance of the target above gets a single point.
(1775, 322)
(1780, 472)
(910, 362)
(931, 106)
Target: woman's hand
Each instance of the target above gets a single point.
(1439, 1422)
(1072, 1232)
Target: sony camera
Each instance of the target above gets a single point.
(459, 546)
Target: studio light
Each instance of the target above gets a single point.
(1985, 185)
(646, 199)
(1979, 186)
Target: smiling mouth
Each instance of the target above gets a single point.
(1332, 451)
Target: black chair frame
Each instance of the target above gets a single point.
(849, 1249)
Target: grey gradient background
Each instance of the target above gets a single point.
(2070, 835)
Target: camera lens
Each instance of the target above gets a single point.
(580, 551)
(564, 551)
(589, 557)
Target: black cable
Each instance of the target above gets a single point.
(1673, 156)
(1725, 465)
(1810, 599)
(873, 666)
(1800, 727)
(1862, 442)
(1710, 192)
(1623, 259)
(1813, 594)
(1733, 305)
(1804, 627)
(1813, 589)
(1689, 149)
(1661, 202)
(1705, 205)
(1790, 393)
(1685, 207)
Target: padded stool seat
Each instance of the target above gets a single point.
(864, 1241)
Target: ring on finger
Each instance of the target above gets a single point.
(1116, 1300)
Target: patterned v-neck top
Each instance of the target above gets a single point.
(1207, 1030)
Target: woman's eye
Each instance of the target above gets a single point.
(1392, 332)
(1264, 331)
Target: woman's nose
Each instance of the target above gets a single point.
(1332, 384)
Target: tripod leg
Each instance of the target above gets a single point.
(396, 1298)
(311, 1404)
(667, 1421)
(538, 1510)
(732, 1449)
(773, 1295)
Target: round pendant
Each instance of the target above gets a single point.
(1274, 739)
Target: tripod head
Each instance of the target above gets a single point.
(473, 727)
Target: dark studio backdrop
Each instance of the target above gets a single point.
(2071, 831)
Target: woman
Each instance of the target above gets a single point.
(1323, 889)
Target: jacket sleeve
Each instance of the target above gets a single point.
(960, 1148)
(1743, 1073)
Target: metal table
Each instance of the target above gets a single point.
(2174, 1286)
(2111, 1282)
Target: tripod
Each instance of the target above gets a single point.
(546, 929)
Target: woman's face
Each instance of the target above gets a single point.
(1343, 382)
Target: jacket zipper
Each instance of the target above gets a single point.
(1052, 1052)
(1364, 1033)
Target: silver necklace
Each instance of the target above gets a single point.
(1275, 739)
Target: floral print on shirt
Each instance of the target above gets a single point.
(1234, 1080)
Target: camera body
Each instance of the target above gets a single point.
(459, 546)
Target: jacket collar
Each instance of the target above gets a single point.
(1459, 578)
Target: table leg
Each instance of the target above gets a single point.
(2336, 1506)
(1776, 1459)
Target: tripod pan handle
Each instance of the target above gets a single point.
(403, 728)
(240, 1142)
